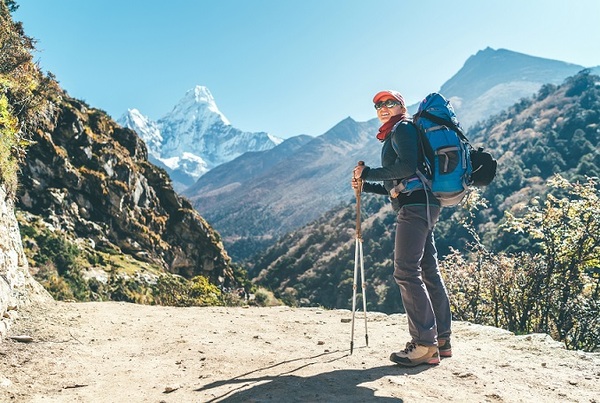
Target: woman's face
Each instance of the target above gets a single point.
(386, 110)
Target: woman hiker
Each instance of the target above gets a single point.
(416, 269)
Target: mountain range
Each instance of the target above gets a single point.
(194, 137)
(253, 188)
(251, 206)
(552, 133)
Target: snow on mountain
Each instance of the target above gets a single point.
(145, 128)
(194, 137)
(196, 112)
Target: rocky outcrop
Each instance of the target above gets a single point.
(90, 178)
(17, 287)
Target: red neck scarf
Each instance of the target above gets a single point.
(386, 128)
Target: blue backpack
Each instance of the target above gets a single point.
(447, 168)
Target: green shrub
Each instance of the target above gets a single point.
(177, 291)
(203, 292)
(552, 287)
(8, 143)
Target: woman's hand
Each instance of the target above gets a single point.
(358, 170)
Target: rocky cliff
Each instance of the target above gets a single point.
(89, 179)
(17, 287)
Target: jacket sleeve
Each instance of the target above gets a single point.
(374, 188)
(404, 141)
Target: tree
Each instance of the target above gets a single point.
(11, 5)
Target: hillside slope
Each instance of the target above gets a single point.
(90, 179)
(494, 79)
(94, 214)
(554, 132)
(283, 196)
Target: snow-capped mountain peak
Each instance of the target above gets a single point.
(199, 104)
(194, 137)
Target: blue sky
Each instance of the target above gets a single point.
(289, 67)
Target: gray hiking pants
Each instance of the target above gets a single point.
(417, 274)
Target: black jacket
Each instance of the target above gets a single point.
(400, 156)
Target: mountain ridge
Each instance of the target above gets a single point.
(322, 167)
(492, 80)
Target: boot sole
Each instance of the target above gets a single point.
(434, 360)
(445, 353)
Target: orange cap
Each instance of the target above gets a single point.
(388, 94)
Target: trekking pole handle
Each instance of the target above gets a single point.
(358, 191)
(359, 180)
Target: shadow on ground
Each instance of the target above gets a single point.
(342, 385)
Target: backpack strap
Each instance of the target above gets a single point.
(425, 153)
(443, 122)
(424, 164)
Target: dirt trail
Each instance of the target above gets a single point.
(119, 352)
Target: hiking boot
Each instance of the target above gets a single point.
(444, 348)
(415, 354)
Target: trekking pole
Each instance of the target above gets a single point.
(358, 262)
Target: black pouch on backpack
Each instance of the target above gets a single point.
(484, 167)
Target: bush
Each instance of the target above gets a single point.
(554, 286)
(174, 290)
(8, 142)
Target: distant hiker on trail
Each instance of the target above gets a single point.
(416, 269)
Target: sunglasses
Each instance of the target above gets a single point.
(388, 104)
